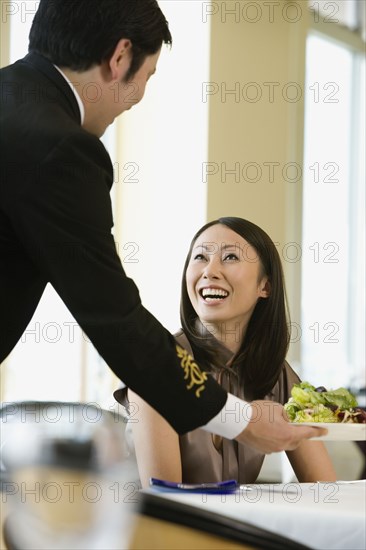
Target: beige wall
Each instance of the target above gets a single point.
(4, 60)
(4, 42)
(259, 60)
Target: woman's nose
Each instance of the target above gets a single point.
(212, 270)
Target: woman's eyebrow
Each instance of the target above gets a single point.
(226, 246)
(213, 246)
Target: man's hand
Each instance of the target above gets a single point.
(270, 431)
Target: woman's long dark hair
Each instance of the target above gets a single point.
(262, 353)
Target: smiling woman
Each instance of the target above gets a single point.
(253, 321)
(234, 320)
(224, 283)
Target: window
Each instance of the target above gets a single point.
(347, 13)
(333, 270)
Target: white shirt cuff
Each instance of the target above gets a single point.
(233, 418)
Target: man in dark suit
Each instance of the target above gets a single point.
(56, 218)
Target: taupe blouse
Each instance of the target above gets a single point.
(203, 461)
(207, 458)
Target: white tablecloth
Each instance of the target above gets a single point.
(322, 516)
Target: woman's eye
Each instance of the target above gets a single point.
(199, 257)
(231, 257)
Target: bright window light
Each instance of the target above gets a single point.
(333, 323)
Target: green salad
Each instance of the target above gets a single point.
(310, 404)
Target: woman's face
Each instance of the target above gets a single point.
(224, 280)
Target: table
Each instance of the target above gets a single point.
(66, 509)
(319, 515)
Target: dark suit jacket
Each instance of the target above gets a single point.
(55, 226)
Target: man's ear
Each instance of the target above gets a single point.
(265, 288)
(120, 61)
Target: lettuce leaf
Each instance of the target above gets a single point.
(340, 397)
(291, 409)
(305, 395)
(320, 413)
(310, 404)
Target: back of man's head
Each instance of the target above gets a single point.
(79, 34)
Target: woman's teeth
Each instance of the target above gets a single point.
(213, 294)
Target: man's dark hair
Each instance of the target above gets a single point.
(79, 34)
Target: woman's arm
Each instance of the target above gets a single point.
(156, 444)
(311, 462)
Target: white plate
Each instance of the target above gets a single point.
(338, 432)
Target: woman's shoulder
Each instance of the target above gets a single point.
(289, 372)
(120, 395)
(183, 341)
(177, 335)
(282, 389)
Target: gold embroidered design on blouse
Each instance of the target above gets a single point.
(192, 372)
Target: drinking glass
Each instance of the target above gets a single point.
(65, 479)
